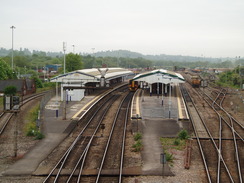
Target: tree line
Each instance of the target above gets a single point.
(26, 63)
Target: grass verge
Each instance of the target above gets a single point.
(31, 128)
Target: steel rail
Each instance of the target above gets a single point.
(231, 127)
(223, 118)
(197, 136)
(109, 139)
(84, 154)
(234, 139)
(83, 162)
(66, 154)
(11, 115)
(233, 133)
(214, 143)
(5, 124)
(220, 141)
(68, 151)
(123, 143)
(236, 121)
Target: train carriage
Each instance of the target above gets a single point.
(133, 85)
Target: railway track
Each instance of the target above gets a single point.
(229, 129)
(98, 134)
(223, 157)
(5, 117)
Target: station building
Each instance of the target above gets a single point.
(158, 81)
(77, 83)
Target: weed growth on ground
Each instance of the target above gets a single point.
(31, 128)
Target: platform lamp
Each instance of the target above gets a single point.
(170, 97)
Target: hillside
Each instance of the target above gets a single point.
(177, 58)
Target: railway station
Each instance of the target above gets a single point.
(158, 109)
(79, 83)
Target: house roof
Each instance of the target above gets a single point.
(18, 83)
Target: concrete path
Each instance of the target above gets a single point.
(155, 125)
(55, 130)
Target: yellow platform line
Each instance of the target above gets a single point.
(179, 104)
(135, 102)
(138, 105)
(85, 106)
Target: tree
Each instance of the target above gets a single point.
(38, 82)
(5, 71)
(10, 90)
(73, 62)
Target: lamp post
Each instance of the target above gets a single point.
(64, 48)
(170, 98)
(73, 48)
(12, 27)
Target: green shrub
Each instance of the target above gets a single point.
(10, 90)
(183, 134)
(39, 135)
(137, 136)
(137, 146)
(177, 142)
(169, 157)
(38, 82)
(30, 128)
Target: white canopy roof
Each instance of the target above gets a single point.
(160, 76)
(90, 75)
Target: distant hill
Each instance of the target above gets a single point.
(130, 54)
(4, 52)
(161, 57)
(118, 53)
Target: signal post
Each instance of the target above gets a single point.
(12, 105)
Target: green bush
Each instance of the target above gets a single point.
(38, 82)
(137, 136)
(10, 90)
(49, 84)
(169, 157)
(30, 128)
(177, 142)
(39, 135)
(137, 146)
(183, 134)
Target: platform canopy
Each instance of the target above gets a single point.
(160, 76)
(91, 75)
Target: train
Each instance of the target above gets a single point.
(195, 81)
(133, 85)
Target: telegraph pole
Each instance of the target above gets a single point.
(64, 48)
(12, 27)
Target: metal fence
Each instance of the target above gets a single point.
(45, 99)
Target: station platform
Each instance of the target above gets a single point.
(55, 130)
(175, 109)
(156, 119)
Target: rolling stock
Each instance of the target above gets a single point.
(195, 81)
(133, 85)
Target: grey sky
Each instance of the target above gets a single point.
(209, 28)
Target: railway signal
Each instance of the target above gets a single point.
(7, 103)
(15, 102)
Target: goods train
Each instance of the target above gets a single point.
(133, 85)
(195, 81)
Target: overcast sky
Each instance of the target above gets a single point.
(208, 28)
